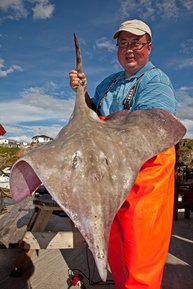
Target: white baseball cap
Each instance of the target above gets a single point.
(136, 27)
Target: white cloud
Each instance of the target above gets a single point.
(105, 43)
(187, 46)
(184, 97)
(16, 9)
(167, 9)
(4, 71)
(7, 4)
(20, 133)
(185, 63)
(38, 98)
(36, 105)
(188, 123)
(181, 63)
(188, 4)
(43, 9)
(149, 9)
(22, 138)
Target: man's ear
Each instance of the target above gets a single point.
(149, 48)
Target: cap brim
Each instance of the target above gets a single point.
(130, 30)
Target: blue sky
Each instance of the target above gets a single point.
(37, 52)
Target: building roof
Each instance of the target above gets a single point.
(2, 130)
(41, 136)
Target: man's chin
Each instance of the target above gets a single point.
(132, 66)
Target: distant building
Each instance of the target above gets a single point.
(4, 141)
(9, 143)
(24, 144)
(41, 139)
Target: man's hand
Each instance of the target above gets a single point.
(77, 79)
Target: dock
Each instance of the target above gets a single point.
(51, 268)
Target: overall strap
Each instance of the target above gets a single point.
(128, 100)
(112, 83)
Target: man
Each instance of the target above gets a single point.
(140, 233)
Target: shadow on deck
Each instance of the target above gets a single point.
(178, 272)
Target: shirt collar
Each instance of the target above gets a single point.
(146, 67)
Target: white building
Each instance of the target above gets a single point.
(9, 142)
(41, 139)
(4, 141)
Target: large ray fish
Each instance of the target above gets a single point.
(92, 165)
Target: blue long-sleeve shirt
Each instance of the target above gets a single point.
(154, 90)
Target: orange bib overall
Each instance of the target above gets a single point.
(141, 231)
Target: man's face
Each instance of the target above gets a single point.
(133, 57)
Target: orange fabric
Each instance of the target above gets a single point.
(141, 230)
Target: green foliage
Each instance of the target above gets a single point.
(8, 156)
(185, 153)
(186, 144)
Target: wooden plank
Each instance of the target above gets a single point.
(53, 240)
(41, 220)
(14, 223)
(39, 223)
